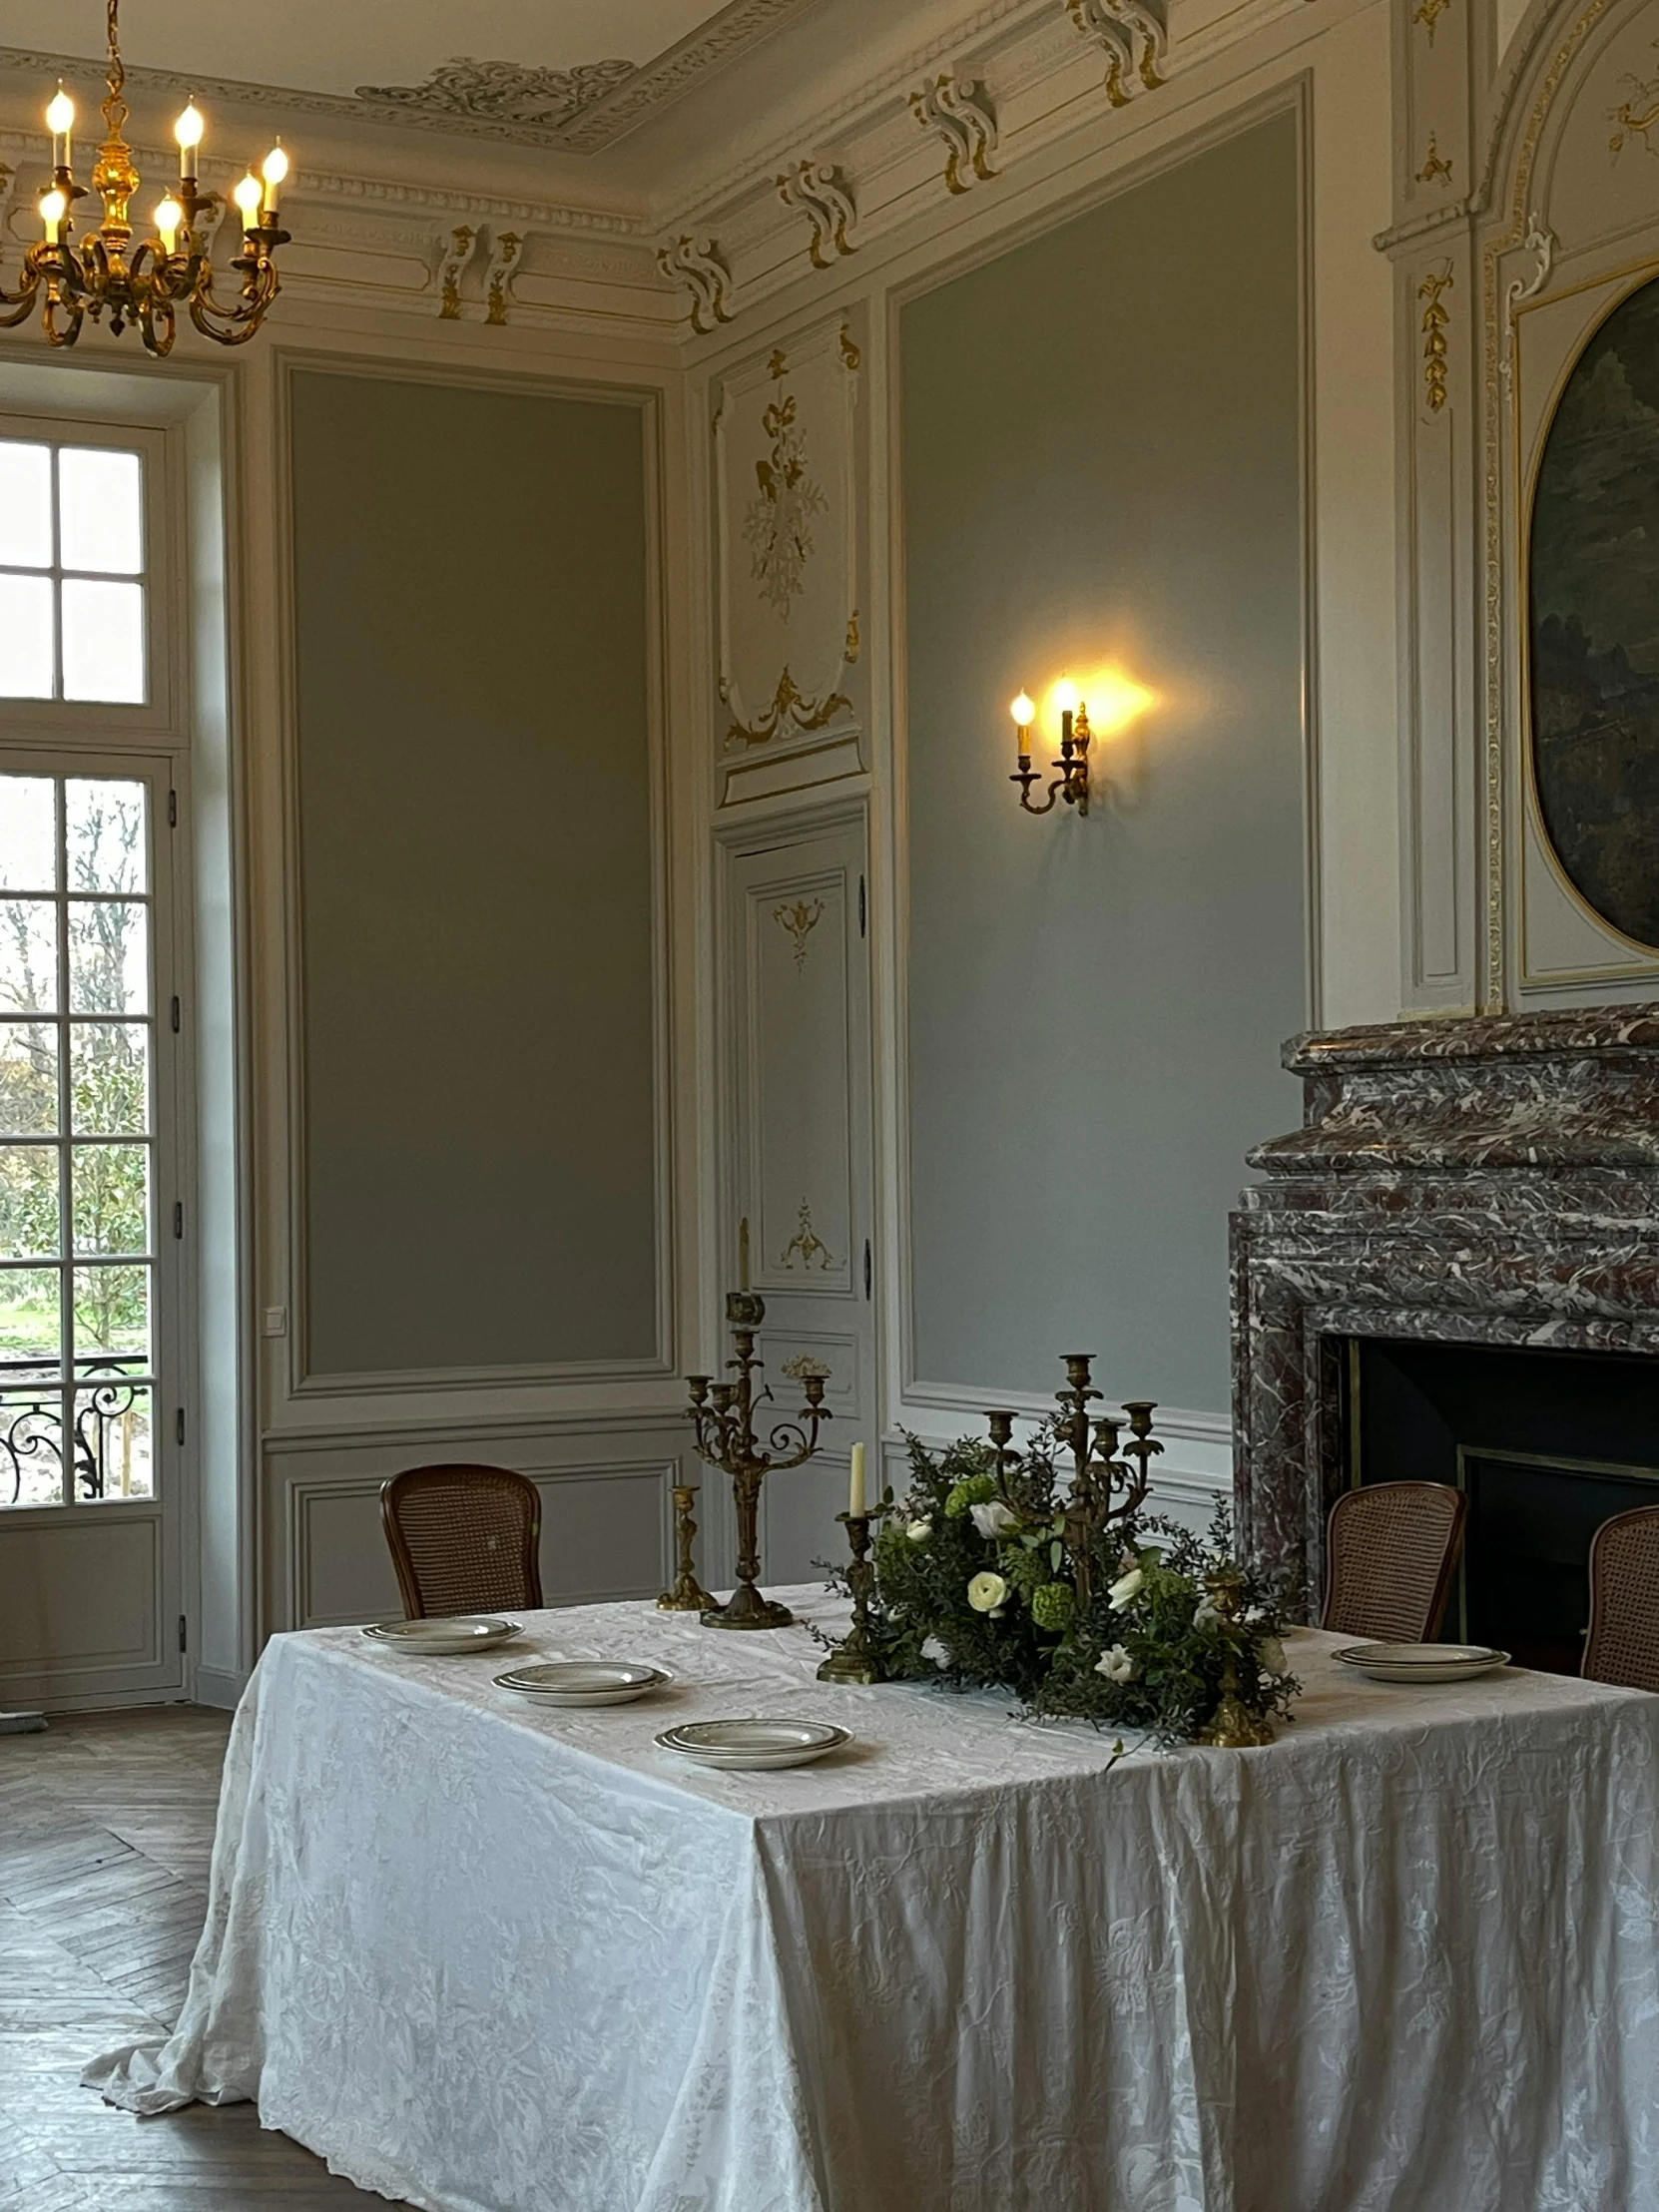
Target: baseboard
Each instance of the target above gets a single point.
(219, 1686)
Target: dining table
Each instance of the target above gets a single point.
(487, 1955)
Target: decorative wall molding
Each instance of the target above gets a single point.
(1134, 37)
(960, 113)
(539, 101)
(498, 276)
(697, 266)
(1540, 241)
(825, 198)
(454, 253)
(1435, 318)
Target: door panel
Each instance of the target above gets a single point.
(799, 1052)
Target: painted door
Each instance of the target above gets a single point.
(91, 1232)
(798, 922)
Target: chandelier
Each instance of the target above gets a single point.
(162, 274)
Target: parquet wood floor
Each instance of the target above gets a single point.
(106, 1826)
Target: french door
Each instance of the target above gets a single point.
(92, 1425)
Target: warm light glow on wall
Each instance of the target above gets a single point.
(1113, 699)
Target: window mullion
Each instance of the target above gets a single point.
(66, 1225)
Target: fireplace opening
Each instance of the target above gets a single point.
(1547, 1445)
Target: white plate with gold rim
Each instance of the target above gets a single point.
(1421, 1662)
(441, 1636)
(754, 1743)
(584, 1680)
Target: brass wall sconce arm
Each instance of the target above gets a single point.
(1072, 783)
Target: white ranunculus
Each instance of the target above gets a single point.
(932, 1649)
(1270, 1653)
(992, 1519)
(986, 1592)
(920, 1531)
(1124, 1589)
(1205, 1615)
(1116, 1665)
(1254, 1613)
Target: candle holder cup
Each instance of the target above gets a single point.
(854, 1658)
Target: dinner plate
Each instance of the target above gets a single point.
(584, 1680)
(1421, 1662)
(754, 1743)
(441, 1635)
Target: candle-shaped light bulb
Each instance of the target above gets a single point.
(856, 1485)
(189, 131)
(247, 195)
(276, 169)
(59, 120)
(1066, 697)
(1024, 713)
(54, 206)
(170, 218)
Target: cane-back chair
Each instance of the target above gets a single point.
(463, 1540)
(1623, 1643)
(1391, 1550)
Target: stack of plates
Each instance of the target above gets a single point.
(444, 1635)
(584, 1680)
(754, 1743)
(1421, 1662)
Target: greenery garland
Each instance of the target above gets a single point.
(978, 1587)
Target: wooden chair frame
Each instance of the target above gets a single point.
(455, 1479)
(1363, 1498)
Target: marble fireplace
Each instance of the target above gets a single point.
(1451, 1269)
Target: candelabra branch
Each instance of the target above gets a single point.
(1072, 783)
(1111, 1472)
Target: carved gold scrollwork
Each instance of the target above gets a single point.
(498, 277)
(800, 921)
(453, 254)
(1428, 13)
(808, 1243)
(825, 198)
(1436, 168)
(695, 264)
(1634, 119)
(804, 1365)
(804, 713)
(960, 113)
(1133, 35)
(1435, 318)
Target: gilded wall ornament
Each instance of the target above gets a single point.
(960, 113)
(499, 276)
(1436, 168)
(695, 264)
(1134, 37)
(1428, 13)
(454, 253)
(804, 711)
(1634, 119)
(798, 920)
(504, 92)
(808, 1243)
(1540, 241)
(777, 523)
(804, 1365)
(825, 198)
(1435, 318)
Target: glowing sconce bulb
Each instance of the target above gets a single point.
(54, 206)
(59, 120)
(189, 131)
(247, 195)
(276, 169)
(170, 218)
(1024, 713)
(1067, 698)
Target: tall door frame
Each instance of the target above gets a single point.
(793, 923)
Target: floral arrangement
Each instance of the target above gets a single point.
(986, 1576)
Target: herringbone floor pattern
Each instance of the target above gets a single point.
(106, 1826)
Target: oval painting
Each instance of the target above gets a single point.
(1594, 621)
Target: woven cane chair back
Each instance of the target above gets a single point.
(1623, 1643)
(1391, 1551)
(463, 1540)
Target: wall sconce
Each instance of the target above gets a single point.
(1124, 701)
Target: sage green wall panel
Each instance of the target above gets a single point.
(475, 876)
(1101, 464)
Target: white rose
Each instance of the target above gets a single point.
(1205, 1614)
(1270, 1653)
(986, 1592)
(932, 1649)
(1253, 1615)
(992, 1519)
(920, 1531)
(1123, 1588)
(1116, 1665)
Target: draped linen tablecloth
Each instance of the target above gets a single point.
(493, 1957)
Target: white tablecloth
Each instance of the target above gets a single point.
(496, 1958)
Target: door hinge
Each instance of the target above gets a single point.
(175, 1016)
(177, 1217)
(863, 909)
(867, 1268)
(182, 1639)
(172, 810)
(179, 1426)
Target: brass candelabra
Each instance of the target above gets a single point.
(1110, 1474)
(1072, 783)
(723, 1417)
(1234, 1727)
(685, 1594)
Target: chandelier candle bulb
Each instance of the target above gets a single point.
(168, 221)
(54, 207)
(248, 196)
(276, 169)
(1024, 713)
(856, 1484)
(188, 131)
(59, 120)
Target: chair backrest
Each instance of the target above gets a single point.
(1391, 1550)
(463, 1540)
(1623, 1643)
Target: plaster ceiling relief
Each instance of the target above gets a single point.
(572, 74)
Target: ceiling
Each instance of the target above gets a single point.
(572, 74)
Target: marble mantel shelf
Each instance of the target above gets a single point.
(1491, 1181)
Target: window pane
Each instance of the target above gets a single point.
(31, 1472)
(104, 835)
(28, 835)
(24, 505)
(26, 644)
(112, 1442)
(28, 956)
(108, 1092)
(112, 1317)
(100, 511)
(109, 1198)
(29, 1079)
(30, 1324)
(27, 1201)
(108, 957)
(102, 642)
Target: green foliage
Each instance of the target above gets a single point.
(971, 1490)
